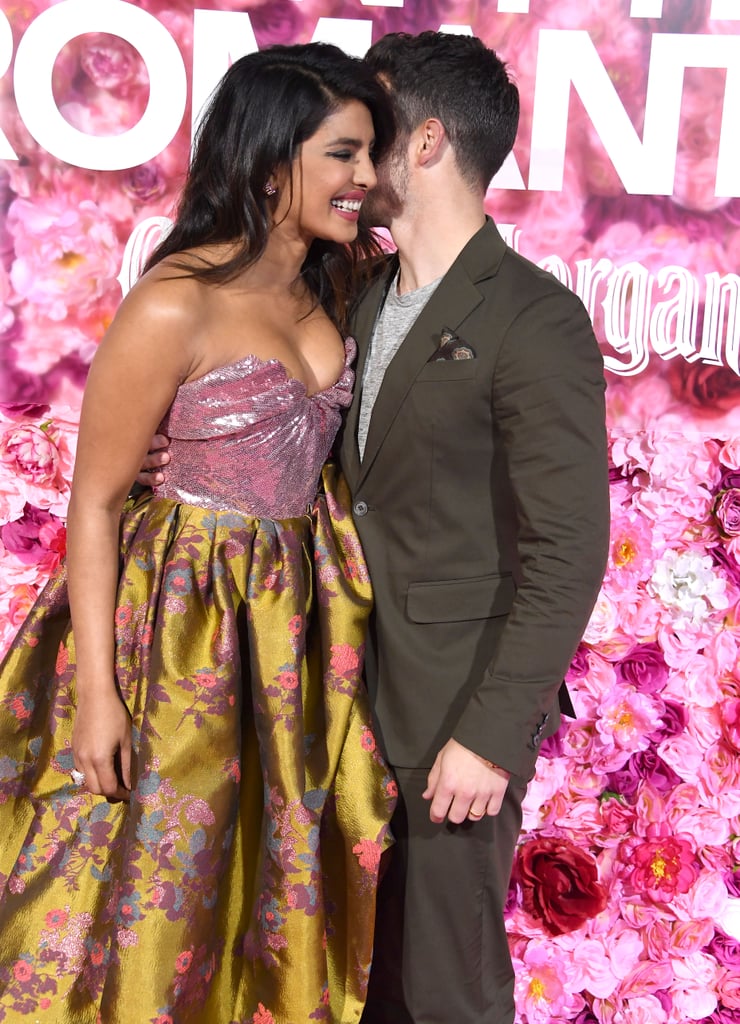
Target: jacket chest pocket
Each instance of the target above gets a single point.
(448, 369)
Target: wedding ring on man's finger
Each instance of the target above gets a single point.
(77, 777)
(474, 816)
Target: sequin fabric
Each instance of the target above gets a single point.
(238, 885)
(248, 437)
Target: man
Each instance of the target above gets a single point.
(475, 450)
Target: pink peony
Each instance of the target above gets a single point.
(630, 548)
(663, 867)
(66, 254)
(45, 346)
(542, 984)
(626, 720)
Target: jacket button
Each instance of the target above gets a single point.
(360, 508)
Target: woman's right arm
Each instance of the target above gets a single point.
(144, 356)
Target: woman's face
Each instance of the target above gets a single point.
(331, 176)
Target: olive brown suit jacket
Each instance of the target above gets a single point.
(482, 506)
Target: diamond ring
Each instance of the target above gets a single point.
(77, 777)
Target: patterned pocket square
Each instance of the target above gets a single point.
(451, 346)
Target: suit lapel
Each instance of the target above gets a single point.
(362, 329)
(454, 299)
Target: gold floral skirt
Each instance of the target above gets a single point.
(239, 883)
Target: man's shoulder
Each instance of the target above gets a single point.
(520, 283)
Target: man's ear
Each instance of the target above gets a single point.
(432, 138)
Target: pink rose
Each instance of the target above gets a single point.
(730, 454)
(644, 667)
(29, 452)
(730, 713)
(647, 766)
(725, 949)
(144, 183)
(110, 62)
(727, 511)
(618, 817)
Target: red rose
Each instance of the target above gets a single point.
(560, 884)
(711, 388)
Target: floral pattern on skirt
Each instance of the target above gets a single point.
(239, 883)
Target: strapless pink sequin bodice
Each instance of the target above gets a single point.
(248, 437)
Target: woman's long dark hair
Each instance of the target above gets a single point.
(265, 106)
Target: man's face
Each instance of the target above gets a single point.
(387, 200)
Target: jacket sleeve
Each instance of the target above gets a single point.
(548, 407)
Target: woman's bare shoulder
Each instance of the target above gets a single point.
(169, 294)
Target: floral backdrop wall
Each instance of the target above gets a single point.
(625, 899)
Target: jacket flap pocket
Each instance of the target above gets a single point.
(479, 597)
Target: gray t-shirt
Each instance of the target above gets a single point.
(395, 319)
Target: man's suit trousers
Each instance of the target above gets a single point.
(441, 952)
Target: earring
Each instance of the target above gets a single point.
(269, 189)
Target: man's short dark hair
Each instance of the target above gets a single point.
(460, 81)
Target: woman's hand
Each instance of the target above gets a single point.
(155, 460)
(101, 743)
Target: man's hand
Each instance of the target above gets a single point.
(149, 475)
(462, 785)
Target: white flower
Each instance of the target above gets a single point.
(686, 585)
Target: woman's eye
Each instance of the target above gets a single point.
(343, 154)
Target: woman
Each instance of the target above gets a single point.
(192, 808)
